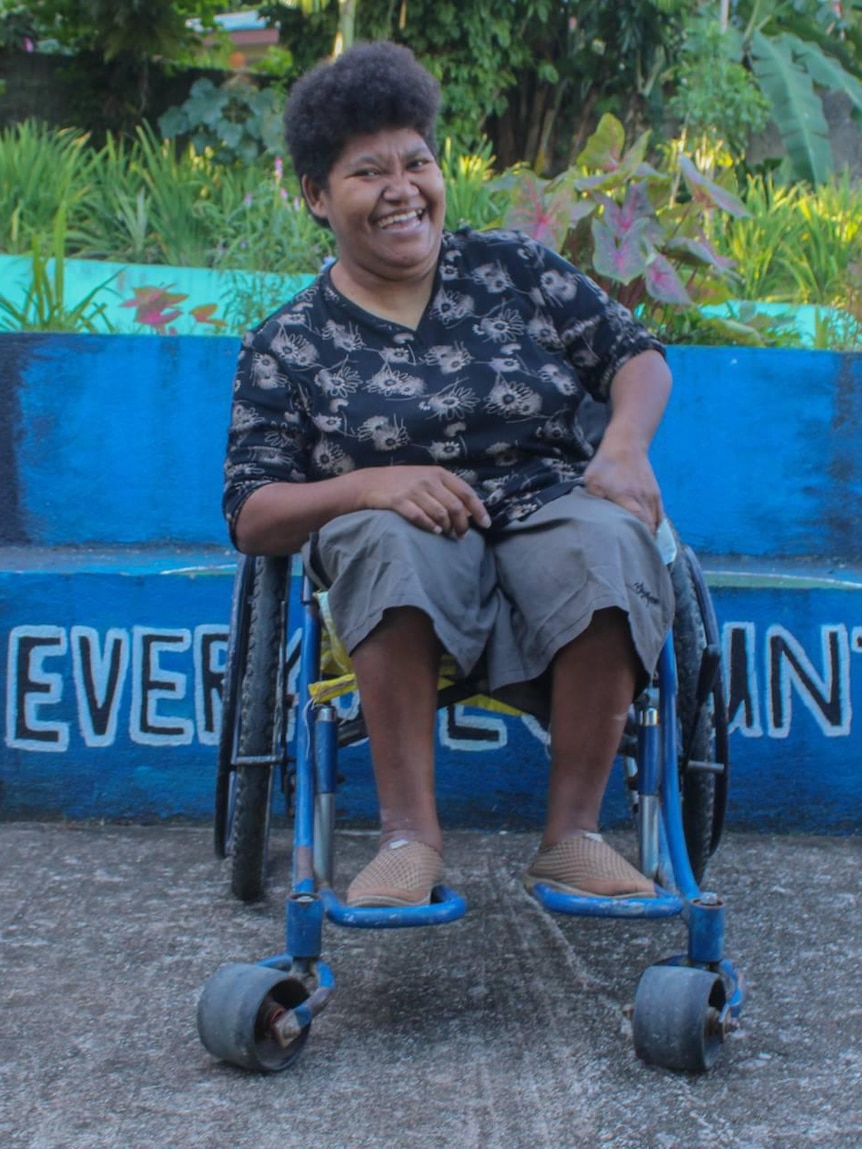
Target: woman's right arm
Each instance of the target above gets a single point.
(277, 518)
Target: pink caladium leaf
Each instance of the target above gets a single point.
(580, 209)
(700, 250)
(636, 213)
(704, 191)
(662, 282)
(620, 258)
(542, 216)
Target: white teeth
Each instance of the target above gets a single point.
(403, 217)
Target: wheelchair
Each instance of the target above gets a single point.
(675, 764)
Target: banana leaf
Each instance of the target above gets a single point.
(796, 106)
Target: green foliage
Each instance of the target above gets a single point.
(716, 99)
(470, 195)
(39, 169)
(177, 184)
(797, 245)
(264, 225)
(249, 300)
(475, 50)
(115, 221)
(533, 76)
(236, 121)
(661, 237)
(143, 29)
(17, 26)
(795, 49)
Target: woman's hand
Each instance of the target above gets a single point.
(620, 469)
(430, 497)
(626, 477)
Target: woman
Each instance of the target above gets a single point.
(415, 411)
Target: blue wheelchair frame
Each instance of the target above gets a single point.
(259, 1016)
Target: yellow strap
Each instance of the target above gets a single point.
(334, 657)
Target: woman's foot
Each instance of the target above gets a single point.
(585, 865)
(403, 873)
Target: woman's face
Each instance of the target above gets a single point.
(385, 201)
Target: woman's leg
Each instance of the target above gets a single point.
(594, 678)
(593, 684)
(387, 581)
(593, 612)
(396, 670)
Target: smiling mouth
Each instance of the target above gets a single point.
(400, 218)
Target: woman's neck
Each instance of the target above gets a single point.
(399, 301)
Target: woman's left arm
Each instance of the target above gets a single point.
(620, 470)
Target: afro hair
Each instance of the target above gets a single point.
(369, 88)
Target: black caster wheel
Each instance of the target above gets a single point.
(680, 1017)
(237, 1010)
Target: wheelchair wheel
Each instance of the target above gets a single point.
(680, 1018)
(234, 666)
(235, 1013)
(244, 788)
(704, 739)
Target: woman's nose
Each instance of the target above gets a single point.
(399, 185)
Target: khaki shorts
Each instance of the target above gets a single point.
(508, 600)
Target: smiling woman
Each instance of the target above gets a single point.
(385, 201)
(414, 412)
(369, 171)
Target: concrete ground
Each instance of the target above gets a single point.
(509, 1029)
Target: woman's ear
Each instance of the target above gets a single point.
(314, 197)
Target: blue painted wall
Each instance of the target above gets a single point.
(760, 453)
(120, 439)
(115, 581)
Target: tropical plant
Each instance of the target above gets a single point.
(265, 227)
(115, 216)
(759, 242)
(641, 232)
(115, 43)
(178, 186)
(345, 14)
(535, 75)
(796, 244)
(716, 99)
(249, 298)
(39, 168)
(17, 26)
(235, 121)
(796, 49)
(143, 29)
(471, 198)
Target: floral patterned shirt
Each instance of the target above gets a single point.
(488, 384)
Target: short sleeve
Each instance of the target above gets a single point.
(598, 334)
(267, 438)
